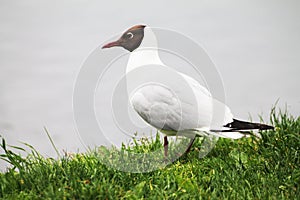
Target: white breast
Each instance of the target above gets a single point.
(167, 99)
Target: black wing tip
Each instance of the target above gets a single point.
(243, 125)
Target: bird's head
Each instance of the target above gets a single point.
(130, 40)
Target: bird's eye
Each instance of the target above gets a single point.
(129, 35)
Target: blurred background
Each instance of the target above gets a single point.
(254, 44)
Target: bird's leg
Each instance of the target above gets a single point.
(166, 143)
(190, 145)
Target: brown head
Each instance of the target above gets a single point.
(130, 40)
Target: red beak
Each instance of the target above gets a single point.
(111, 44)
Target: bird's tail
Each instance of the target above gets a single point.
(238, 129)
(238, 125)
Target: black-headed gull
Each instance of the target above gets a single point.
(174, 102)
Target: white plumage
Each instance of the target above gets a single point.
(170, 100)
(173, 102)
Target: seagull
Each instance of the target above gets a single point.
(178, 104)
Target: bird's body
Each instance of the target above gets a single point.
(171, 101)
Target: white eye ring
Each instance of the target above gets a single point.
(130, 35)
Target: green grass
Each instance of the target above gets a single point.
(235, 169)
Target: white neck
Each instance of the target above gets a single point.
(146, 53)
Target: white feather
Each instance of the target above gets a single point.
(170, 100)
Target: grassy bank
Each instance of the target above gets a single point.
(242, 169)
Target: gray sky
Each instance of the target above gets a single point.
(254, 44)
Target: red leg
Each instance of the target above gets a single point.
(190, 145)
(166, 143)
